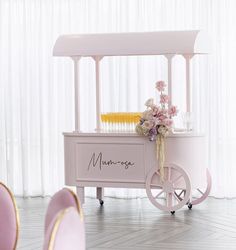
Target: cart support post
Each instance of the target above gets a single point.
(76, 93)
(188, 58)
(100, 193)
(169, 58)
(97, 60)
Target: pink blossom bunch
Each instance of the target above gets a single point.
(160, 86)
(164, 99)
(157, 119)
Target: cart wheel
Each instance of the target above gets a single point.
(162, 194)
(190, 205)
(203, 194)
(101, 202)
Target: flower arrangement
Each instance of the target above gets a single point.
(156, 122)
(157, 119)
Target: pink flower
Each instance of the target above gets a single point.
(155, 110)
(160, 86)
(161, 116)
(172, 111)
(164, 99)
(168, 122)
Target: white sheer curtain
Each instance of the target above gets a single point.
(36, 95)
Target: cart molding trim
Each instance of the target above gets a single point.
(108, 180)
(88, 182)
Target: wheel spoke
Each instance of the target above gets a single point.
(181, 193)
(159, 194)
(178, 195)
(177, 198)
(176, 179)
(200, 191)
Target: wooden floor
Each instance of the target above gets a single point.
(136, 224)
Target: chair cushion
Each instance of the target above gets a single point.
(9, 219)
(61, 200)
(66, 231)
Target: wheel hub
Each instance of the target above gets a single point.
(168, 187)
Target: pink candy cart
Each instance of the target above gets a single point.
(127, 160)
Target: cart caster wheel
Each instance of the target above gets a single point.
(101, 202)
(172, 212)
(190, 205)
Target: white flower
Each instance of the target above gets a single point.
(145, 130)
(148, 124)
(149, 103)
(147, 114)
(139, 129)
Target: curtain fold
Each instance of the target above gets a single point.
(36, 95)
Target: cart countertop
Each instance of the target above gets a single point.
(127, 134)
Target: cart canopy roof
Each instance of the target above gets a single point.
(126, 44)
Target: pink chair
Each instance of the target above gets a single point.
(9, 219)
(61, 200)
(66, 231)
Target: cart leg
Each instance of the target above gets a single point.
(80, 193)
(100, 195)
(169, 199)
(190, 201)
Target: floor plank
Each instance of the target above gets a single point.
(135, 224)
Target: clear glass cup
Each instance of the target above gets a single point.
(188, 121)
